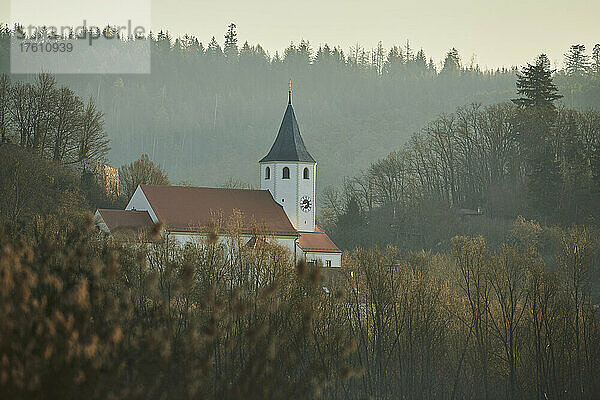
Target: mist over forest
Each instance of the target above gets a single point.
(211, 107)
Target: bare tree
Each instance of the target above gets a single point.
(141, 171)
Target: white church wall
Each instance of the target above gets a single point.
(285, 192)
(289, 192)
(139, 202)
(334, 258)
(267, 184)
(307, 188)
(184, 237)
(289, 243)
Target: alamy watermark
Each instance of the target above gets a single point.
(81, 32)
(83, 48)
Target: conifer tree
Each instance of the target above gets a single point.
(163, 41)
(379, 58)
(395, 61)
(409, 53)
(276, 59)
(290, 53)
(305, 52)
(452, 62)
(535, 85)
(577, 62)
(246, 50)
(421, 60)
(231, 49)
(595, 68)
(431, 66)
(214, 50)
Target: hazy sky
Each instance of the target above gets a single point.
(497, 33)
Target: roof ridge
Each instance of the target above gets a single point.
(202, 187)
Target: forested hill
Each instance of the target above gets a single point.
(210, 111)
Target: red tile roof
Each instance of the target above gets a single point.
(317, 242)
(188, 209)
(125, 220)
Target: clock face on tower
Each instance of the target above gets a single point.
(305, 204)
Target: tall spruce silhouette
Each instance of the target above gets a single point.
(535, 85)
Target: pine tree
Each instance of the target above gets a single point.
(305, 52)
(452, 62)
(395, 61)
(231, 49)
(595, 68)
(577, 62)
(379, 58)
(214, 50)
(163, 42)
(246, 49)
(535, 84)
(431, 66)
(260, 53)
(290, 54)
(324, 55)
(421, 60)
(409, 53)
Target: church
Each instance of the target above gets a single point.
(284, 209)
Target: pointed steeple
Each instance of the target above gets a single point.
(288, 145)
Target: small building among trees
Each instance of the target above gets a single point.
(284, 209)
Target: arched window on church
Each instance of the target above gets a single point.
(305, 173)
(268, 173)
(286, 173)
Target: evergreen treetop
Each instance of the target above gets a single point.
(595, 68)
(577, 62)
(535, 85)
(452, 62)
(230, 48)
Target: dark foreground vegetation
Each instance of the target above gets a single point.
(89, 317)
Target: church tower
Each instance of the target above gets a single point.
(289, 172)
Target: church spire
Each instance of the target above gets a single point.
(288, 145)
